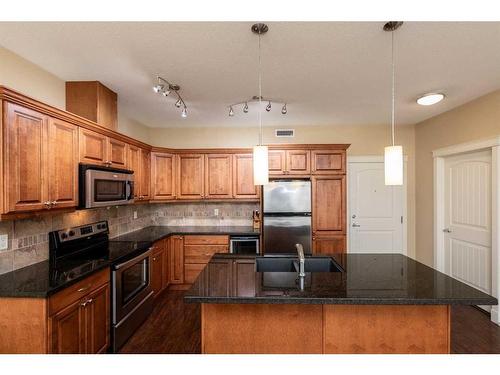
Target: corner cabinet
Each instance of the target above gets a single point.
(41, 161)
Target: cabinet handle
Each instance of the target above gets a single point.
(154, 259)
(53, 203)
(83, 304)
(83, 289)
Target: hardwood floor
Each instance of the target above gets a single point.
(174, 328)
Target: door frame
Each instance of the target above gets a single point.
(439, 156)
(377, 159)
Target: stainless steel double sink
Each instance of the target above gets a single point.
(291, 264)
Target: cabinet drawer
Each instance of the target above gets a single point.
(191, 272)
(206, 240)
(76, 291)
(202, 253)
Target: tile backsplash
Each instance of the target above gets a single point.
(28, 238)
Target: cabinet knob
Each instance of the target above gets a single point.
(53, 203)
(46, 204)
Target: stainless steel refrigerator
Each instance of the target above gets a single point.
(287, 216)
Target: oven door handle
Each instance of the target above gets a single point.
(130, 190)
(138, 258)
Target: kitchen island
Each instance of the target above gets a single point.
(364, 303)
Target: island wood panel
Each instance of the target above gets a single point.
(26, 160)
(117, 153)
(163, 172)
(298, 162)
(261, 329)
(93, 147)
(190, 173)
(63, 163)
(23, 326)
(328, 205)
(218, 176)
(386, 329)
(134, 164)
(243, 186)
(328, 161)
(277, 162)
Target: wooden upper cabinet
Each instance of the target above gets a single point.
(63, 163)
(26, 159)
(328, 161)
(243, 186)
(277, 162)
(94, 101)
(298, 162)
(145, 175)
(93, 147)
(218, 176)
(329, 200)
(117, 153)
(133, 163)
(190, 176)
(163, 172)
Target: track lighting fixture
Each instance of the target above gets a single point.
(268, 108)
(231, 112)
(245, 108)
(165, 88)
(284, 110)
(258, 99)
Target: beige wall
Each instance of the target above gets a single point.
(364, 140)
(477, 119)
(21, 75)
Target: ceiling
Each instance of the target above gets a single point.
(327, 72)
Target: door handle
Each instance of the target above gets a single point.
(447, 230)
(355, 225)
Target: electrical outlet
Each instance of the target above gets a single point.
(4, 241)
(135, 214)
(216, 211)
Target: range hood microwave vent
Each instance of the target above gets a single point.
(288, 133)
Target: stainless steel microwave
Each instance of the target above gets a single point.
(102, 186)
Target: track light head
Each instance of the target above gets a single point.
(178, 103)
(284, 110)
(158, 88)
(245, 108)
(165, 93)
(268, 108)
(184, 112)
(231, 112)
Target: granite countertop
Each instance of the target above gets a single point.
(367, 279)
(43, 279)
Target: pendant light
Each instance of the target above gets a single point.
(260, 152)
(393, 155)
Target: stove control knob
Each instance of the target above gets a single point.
(64, 235)
(71, 233)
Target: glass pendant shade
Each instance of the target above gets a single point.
(260, 165)
(393, 165)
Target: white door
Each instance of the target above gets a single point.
(467, 218)
(375, 211)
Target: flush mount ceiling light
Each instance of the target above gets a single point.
(431, 98)
(165, 88)
(393, 155)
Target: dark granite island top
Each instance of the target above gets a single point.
(381, 279)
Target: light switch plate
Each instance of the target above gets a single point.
(216, 211)
(135, 214)
(4, 241)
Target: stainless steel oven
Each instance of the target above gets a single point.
(102, 186)
(132, 297)
(244, 245)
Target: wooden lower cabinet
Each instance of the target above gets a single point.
(176, 260)
(329, 245)
(160, 266)
(198, 249)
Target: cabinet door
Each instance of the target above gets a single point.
(26, 159)
(243, 186)
(158, 262)
(163, 172)
(328, 211)
(329, 245)
(176, 260)
(97, 315)
(328, 161)
(133, 163)
(67, 330)
(218, 176)
(190, 176)
(117, 153)
(298, 162)
(166, 263)
(277, 162)
(145, 175)
(93, 147)
(63, 163)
